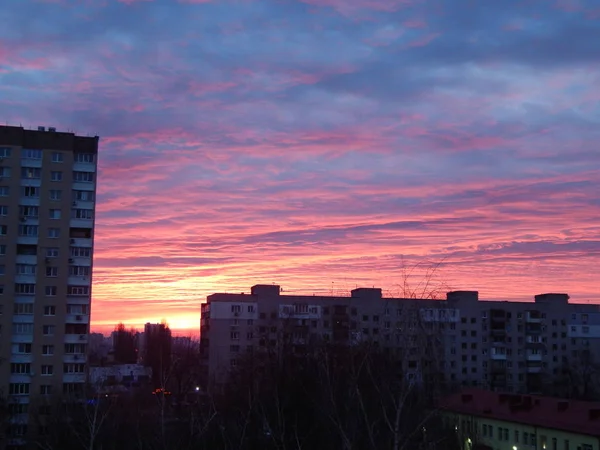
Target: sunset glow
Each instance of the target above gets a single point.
(321, 144)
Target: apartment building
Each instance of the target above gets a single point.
(47, 206)
(487, 420)
(509, 346)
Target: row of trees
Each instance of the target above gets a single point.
(331, 397)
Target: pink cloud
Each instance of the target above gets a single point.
(423, 41)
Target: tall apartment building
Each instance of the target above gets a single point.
(505, 346)
(47, 205)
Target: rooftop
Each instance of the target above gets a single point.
(568, 415)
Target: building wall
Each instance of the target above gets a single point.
(505, 346)
(46, 270)
(504, 435)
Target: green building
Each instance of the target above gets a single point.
(487, 420)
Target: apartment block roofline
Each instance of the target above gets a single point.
(49, 139)
(548, 412)
(275, 290)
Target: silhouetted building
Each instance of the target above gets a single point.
(531, 347)
(157, 351)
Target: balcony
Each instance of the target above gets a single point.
(534, 357)
(75, 358)
(534, 369)
(22, 338)
(26, 259)
(28, 240)
(74, 280)
(29, 201)
(36, 182)
(498, 356)
(84, 167)
(77, 318)
(21, 358)
(81, 223)
(82, 186)
(74, 378)
(76, 338)
(81, 242)
(20, 378)
(26, 279)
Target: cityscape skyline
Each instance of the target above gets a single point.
(320, 145)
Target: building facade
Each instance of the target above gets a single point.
(505, 346)
(47, 208)
(487, 420)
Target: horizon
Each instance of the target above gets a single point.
(321, 144)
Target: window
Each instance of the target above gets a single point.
(51, 271)
(57, 157)
(2, 249)
(235, 335)
(31, 191)
(249, 335)
(53, 233)
(16, 430)
(23, 348)
(17, 408)
(49, 310)
(55, 213)
(83, 177)
(47, 350)
(45, 389)
(26, 269)
(526, 438)
(250, 308)
(55, 194)
(3, 210)
(84, 196)
(3, 230)
(74, 368)
(22, 328)
(52, 252)
(28, 230)
(236, 308)
(566, 444)
(4, 172)
(78, 290)
(87, 214)
(85, 252)
(20, 368)
(48, 330)
(585, 329)
(84, 157)
(77, 309)
(234, 348)
(47, 369)
(4, 152)
(28, 211)
(4, 191)
(31, 173)
(516, 436)
(51, 291)
(23, 308)
(55, 175)
(554, 444)
(74, 348)
(27, 153)
(18, 388)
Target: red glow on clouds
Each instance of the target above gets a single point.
(262, 141)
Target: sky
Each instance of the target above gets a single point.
(321, 144)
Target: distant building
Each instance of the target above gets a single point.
(119, 377)
(488, 420)
(157, 351)
(530, 347)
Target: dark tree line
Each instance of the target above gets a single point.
(326, 398)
